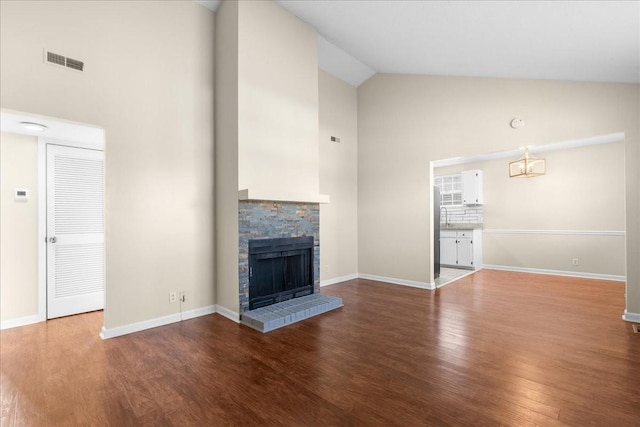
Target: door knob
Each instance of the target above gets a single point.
(53, 239)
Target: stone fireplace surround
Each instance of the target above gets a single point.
(273, 219)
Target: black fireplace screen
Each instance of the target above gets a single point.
(279, 269)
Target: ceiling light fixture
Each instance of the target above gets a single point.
(527, 166)
(37, 127)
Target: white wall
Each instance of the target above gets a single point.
(18, 227)
(406, 121)
(148, 81)
(277, 100)
(581, 192)
(338, 109)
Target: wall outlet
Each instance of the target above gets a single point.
(173, 297)
(183, 296)
(575, 261)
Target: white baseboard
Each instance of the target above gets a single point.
(198, 312)
(556, 272)
(139, 326)
(20, 321)
(234, 316)
(158, 321)
(631, 317)
(229, 314)
(338, 280)
(403, 282)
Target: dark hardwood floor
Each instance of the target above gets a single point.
(494, 348)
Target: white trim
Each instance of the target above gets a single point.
(229, 314)
(555, 232)
(158, 321)
(278, 196)
(578, 143)
(562, 145)
(337, 280)
(42, 229)
(198, 312)
(631, 317)
(20, 321)
(139, 326)
(579, 274)
(88, 145)
(403, 282)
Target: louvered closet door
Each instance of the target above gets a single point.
(75, 230)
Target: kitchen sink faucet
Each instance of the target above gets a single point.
(446, 216)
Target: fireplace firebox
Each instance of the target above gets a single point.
(279, 269)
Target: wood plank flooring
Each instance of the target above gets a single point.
(493, 348)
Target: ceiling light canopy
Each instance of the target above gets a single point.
(527, 166)
(37, 127)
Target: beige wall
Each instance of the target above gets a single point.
(581, 191)
(19, 227)
(406, 121)
(226, 220)
(148, 81)
(267, 111)
(277, 100)
(597, 254)
(338, 111)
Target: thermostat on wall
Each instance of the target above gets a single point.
(21, 195)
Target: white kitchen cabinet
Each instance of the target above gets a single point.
(462, 249)
(465, 252)
(448, 248)
(472, 187)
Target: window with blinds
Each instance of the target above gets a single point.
(450, 189)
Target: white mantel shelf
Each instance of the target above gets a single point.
(277, 196)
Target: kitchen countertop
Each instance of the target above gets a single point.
(462, 226)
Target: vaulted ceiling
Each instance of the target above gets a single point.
(560, 40)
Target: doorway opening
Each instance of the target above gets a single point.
(568, 222)
(65, 233)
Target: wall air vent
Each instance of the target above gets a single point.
(54, 58)
(75, 64)
(57, 59)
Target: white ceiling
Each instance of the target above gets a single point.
(560, 40)
(56, 128)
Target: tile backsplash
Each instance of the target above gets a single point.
(463, 214)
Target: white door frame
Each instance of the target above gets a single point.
(97, 144)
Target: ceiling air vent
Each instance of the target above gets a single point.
(57, 59)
